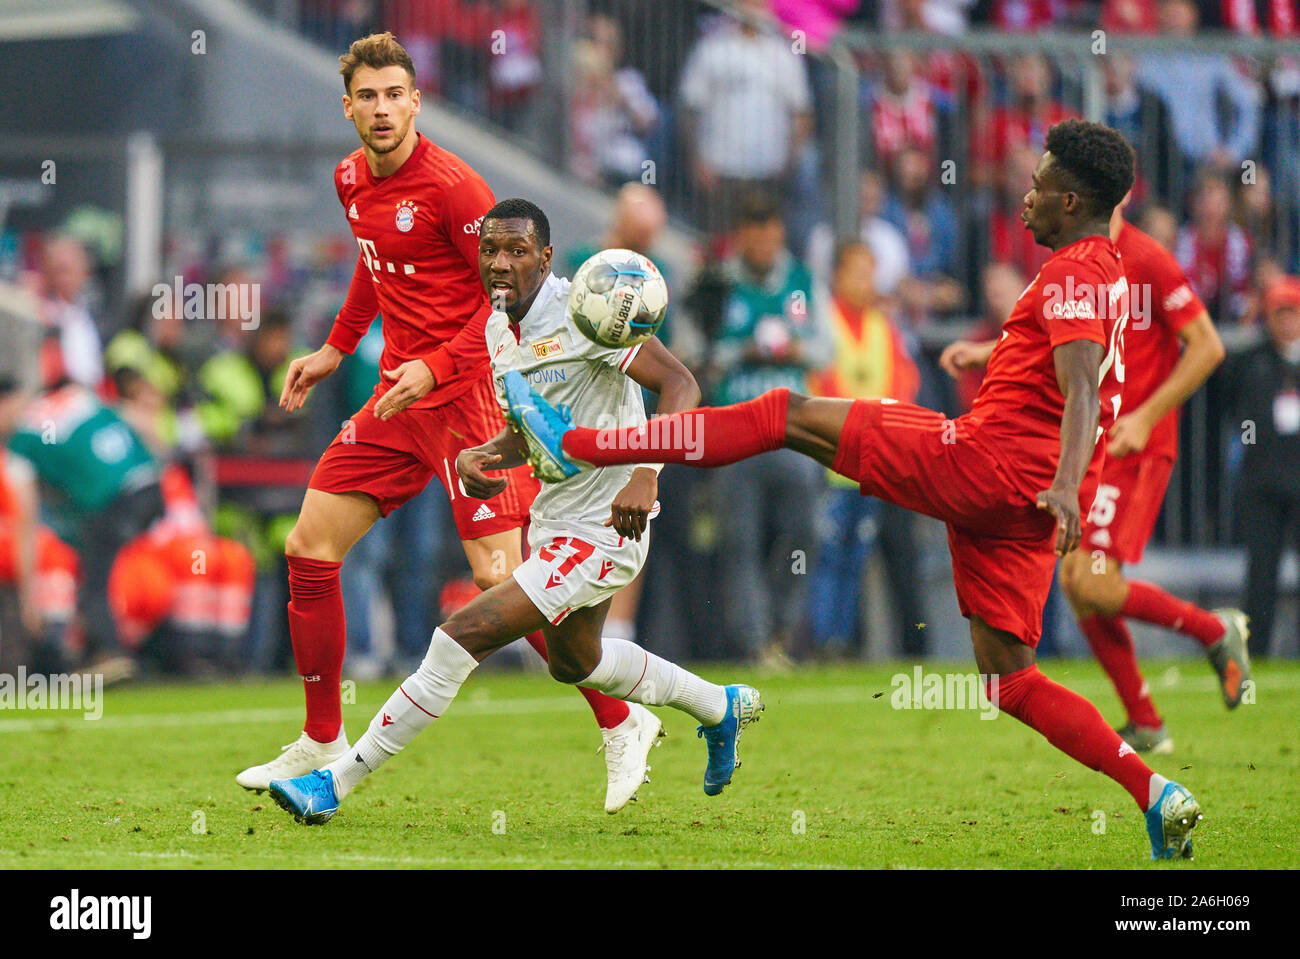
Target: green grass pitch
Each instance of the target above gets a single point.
(833, 777)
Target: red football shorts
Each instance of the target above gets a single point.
(1129, 497)
(394, 460)
(1002, 545)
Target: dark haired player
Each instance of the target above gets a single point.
(1010, 478)
(1170, 349)
(415, 211)
(578, 561)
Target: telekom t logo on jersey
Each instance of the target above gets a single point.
(376, 264)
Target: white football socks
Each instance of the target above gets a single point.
(418, 701)
(626, 671)
(1155, 788)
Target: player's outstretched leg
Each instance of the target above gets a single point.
(1074, 726)
(628, 733)
(487, 622)
(420, 699)
(707, 436)
(629, 672)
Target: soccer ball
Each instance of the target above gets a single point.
(618, 298)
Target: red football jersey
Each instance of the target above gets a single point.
(418, 266)
(1162, 302)
(1081, 293)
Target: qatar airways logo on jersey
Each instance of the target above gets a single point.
(1115, 301)
(472, 228)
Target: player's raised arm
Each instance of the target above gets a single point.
(663, 374)
(1077, 364)
(1202, 353)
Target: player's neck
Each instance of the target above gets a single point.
(386, 164)
(1077, 233)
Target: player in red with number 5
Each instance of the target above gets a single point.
(1141, 448)
(1009, 478)
(415, 210)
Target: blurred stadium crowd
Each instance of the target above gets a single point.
(153, 478)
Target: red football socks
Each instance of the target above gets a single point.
(1112, 644)
(609, 712)
(1073, 725)
(1151, 604)
(317, 629)
(708, 436)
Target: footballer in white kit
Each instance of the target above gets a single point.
(587, 536)
(577, 559)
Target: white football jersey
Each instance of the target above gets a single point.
(567, 369)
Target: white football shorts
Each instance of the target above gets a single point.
(575, 565)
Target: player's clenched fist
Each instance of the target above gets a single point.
(470, 465)
(1129, 434)
(630, 511)
(413, 379)
(304, 373)
(964, 355)
(1064, 505)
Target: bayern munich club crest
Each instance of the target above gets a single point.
(406, 215)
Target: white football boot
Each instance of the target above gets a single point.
(296, 759)
(627, 747)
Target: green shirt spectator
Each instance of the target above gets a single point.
(84, 452)
(770, 334)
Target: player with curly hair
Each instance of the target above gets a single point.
(1011, 479)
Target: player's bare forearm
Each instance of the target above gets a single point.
(1077, 366)
(504, 451)
(1202, 354)
(510, 446)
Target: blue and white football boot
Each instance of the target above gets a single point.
(743, 706)
(310, 799)
(1170, 822)
(543, 427)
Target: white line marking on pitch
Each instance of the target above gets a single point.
(472, 706)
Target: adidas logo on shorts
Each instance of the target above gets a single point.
(483, 512)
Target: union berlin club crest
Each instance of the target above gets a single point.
(406, 215)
